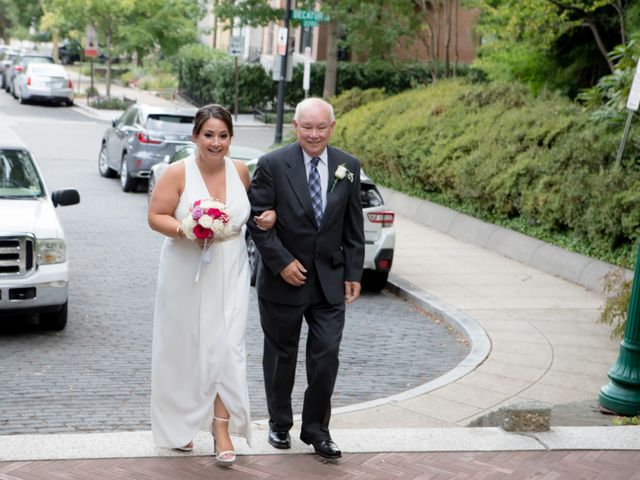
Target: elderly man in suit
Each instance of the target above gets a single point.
(311, 266)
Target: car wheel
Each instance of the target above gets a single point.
(254, 259)
(373, 281)
(68, 102)
(103, 165)
(127, 182)
(54, 320)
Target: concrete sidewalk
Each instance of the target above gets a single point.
(148, 98)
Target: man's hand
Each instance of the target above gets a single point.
(294, 274)
(351, 291)
(266, 220)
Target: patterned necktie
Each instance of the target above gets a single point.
(315, 190)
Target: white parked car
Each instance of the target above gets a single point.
(34, 272)
(46, 82)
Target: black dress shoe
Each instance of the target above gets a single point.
(327, 449)
(279, 439)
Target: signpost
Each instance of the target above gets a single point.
(306, 76)
(236, 48)
(91, 48)
(633, 102)
(309, 18)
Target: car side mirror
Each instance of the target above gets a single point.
(114, 122)
(64, 197)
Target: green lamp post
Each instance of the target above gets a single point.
(622, 394)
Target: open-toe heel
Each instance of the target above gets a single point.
(226, 458)
(187, 448)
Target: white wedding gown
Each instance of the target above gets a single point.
(199, 327)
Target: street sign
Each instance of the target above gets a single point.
(633, 102)
(236, 46)
(91, 42)
(309, 18)
(306, 74)
(282, 41)
(277, 65)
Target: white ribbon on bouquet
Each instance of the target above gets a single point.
(205, 257)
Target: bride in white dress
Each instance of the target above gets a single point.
(199, 359)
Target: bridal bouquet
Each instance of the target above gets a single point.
(207, 219)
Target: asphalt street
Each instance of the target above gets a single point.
(94, 376)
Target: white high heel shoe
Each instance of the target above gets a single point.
(226, 458)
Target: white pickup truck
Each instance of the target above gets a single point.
(33, 260)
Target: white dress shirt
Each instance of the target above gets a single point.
(323, 170)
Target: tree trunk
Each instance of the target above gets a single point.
(437, 24)
(596, 34)
(620, 9)
(331, 71)
(447, 36)
(109, 55)
(55, 40)
(455, 39)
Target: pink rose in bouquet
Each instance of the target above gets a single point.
(207, 219)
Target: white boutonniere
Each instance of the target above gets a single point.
(341, 172)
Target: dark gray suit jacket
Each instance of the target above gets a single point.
(335, 250)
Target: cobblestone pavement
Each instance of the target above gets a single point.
(94, 375)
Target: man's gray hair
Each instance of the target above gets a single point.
(313, 100)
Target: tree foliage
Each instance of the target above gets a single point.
(557, 44)
(16, 16)
(127, 27)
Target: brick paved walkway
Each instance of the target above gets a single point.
(557, 465)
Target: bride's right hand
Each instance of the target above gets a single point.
(266, 220)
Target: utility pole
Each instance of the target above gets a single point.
(283, 76)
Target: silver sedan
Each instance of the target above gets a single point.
(45, 81)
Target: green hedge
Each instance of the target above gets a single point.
(539, 165)
(206, 75)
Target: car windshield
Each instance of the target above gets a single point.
(47, 69)
(18, 175)
(28, 59)
(369, 196)
(170, 123)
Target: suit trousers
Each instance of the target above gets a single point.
(281, 325)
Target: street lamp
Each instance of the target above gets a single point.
(622, 394)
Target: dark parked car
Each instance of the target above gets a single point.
(140, 138)
(69, 51)
(6, 59)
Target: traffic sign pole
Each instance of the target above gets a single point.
(283, 78)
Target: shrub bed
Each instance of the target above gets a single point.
(540, 165)
(206, 76)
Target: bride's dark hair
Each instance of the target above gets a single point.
(212, 111)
